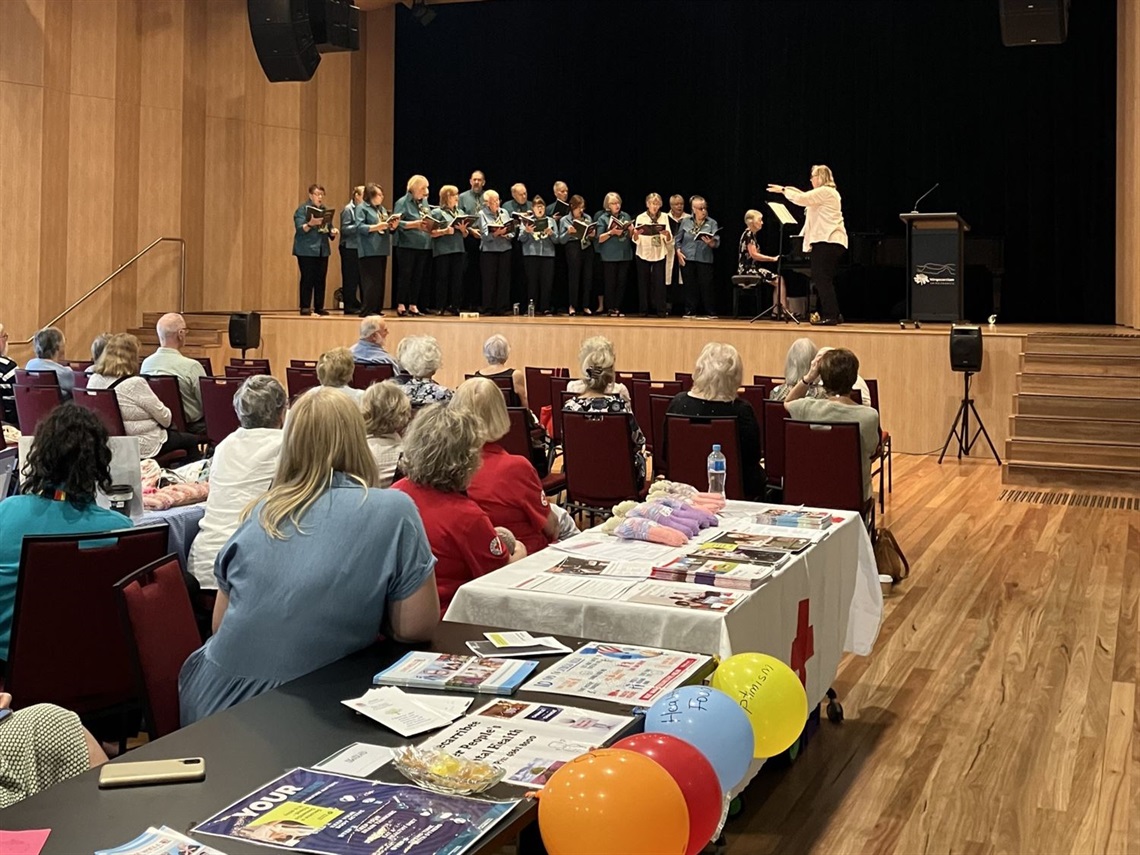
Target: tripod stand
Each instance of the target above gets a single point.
(965, 441)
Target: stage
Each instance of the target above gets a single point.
(919, 394)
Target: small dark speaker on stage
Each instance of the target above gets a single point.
(1034, 22)
(245, 331)
(283, 38)
(966, 348)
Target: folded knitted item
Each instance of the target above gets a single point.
(664, 515)
(700, 516)
(175, 496)
(636, 528)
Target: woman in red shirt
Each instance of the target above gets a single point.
(506, 486)
(441, 454)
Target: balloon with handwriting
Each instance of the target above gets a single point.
(693, 774)
(613, 801)
(711, 722)
(770, 694)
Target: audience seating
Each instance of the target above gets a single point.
(79, 366)
(241, 372)
(9, 460)
(299, 380)
(36, 378)
(263, 364)
(755, 395)
(105, 405)
(775, 416)
(627, 377)
(884, 455)
(823, 467)
(158, 620)
(80, 379)
(658, 406)
(365, 374)
(303, 363)
(685, 379)
(767, 380)
(205, 363)
(538, 386)
(599, 467)
(556, 415)
(517, 441)
(641, 392)
(218, 406)
(33, 404)
(506, 384)
(68, 646)
(166, 388)
(690, 440)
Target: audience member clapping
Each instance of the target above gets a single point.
(386, 411)
(421, 358)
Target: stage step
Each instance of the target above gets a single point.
(1079, 386)
(1119, 344)
(1070, 406)
(1110, 480)
(1081, 365)
(1023, 426)
(194, 320)
(1059, 452)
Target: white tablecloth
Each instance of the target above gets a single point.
(825, 601)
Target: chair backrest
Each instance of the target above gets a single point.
(300, 380)
(756, 396)
(9, 459)
(658, 406)
(775, 417)
(628, 377)
(158, 620)
(873, 388)
(166, 390)
(856, 396)
(206, 363)
(68, 646)
(767, 380)
(243, 371)
(558, 386)
(36, 378)
(822, 465)
(104, 403)
(79, 365)
(80, 379)
(505, 383)
(34, 403)
(238, 362)
(365, 374)
(598, 459)
(538, 386)
(218, 406)
(685, 379)
(517, 440)
(690, 440)
(303, 363)
(641, 392)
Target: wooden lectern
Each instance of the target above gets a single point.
(935, 266)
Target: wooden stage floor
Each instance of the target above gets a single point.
(919, 394)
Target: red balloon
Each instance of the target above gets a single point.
(693, 774)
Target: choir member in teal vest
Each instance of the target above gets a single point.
(616, 251)
(447, 251)
(495, 255)
(517, 204)
(696, 240)
(537, 241)
(311, 247)
(413, 245)
(471, 202)
(579, 256)
(349, 267)
(374, 241)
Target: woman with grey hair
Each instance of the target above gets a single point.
(716, 377)
(442, 451)
(240, 471)
(796, 365)
(597, 392)
(49, 345)
(421, 358)
(386, 412)
(496, 353)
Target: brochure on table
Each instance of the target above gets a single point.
(622, 673)
(319, 812)
(161, 841)
(455, 672)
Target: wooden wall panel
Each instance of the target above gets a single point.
(94, 25)
(1128, 164)
(161, 53)
(21, 115)
(159, 181)
(22, 57)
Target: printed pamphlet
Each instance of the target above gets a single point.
(622, 673)
(682, 596)
(794, 518)
(546, 645)
(407, 714)
(574, 565)
(576, 586)
(161, 841)
(359, 760)
(701, 570)
(453, 672)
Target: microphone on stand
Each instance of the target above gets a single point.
(924, 195)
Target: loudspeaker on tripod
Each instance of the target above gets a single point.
(245, 331)
(966, 348)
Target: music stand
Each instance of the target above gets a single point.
(786, 219)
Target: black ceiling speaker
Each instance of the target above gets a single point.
(283, 38)
(1034, 22)
(336, 25)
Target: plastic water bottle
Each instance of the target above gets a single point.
(515, 309)
(530, 309)
(717, 471)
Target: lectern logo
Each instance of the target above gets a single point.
(935, 274)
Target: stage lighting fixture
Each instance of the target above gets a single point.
(422, 13)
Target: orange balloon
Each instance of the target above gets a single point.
(613, 802)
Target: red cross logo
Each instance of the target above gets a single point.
(803, 646)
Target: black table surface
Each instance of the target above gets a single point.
(247, 746)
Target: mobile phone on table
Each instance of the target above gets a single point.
(142, 773)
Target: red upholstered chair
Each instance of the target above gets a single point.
(104, 404)
(80, 379)
(689, 441)
(756, 395)
(206, 363)
(766, 380)
(641, 392)
(538, 386)
(823, 467)
(686, 380)
(166, 388)
(68, 646)
(303, 363)
(627, 377)
(218, 406)
(263, 364)
(36, 378)
(884, 456)
(161, 633)
(79, 366)
(34, 404)
(558, 392)
(599, 467)
(517, 441)
(775, 415)
(365, 374)
(658, 405)
(243, 371)
(300, 380)
(506, 384)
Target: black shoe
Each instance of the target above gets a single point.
(322, 312)
(306, 311)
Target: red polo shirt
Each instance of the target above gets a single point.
(507, 488)
(462, 537)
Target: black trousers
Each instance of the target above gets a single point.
(449, 280)
(539, 280)
(178, 441)
(412, 267)
(824, 262)
(651, 286)
(495, 268)
(615, 274)
(350, 280)
(579, 275)
(699, 287)
(472, 281)
(314, 269)
(373, 270)
(560, 271)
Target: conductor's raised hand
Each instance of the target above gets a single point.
(775, 188)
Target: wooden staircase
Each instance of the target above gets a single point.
(1076, 414)
(206, 335)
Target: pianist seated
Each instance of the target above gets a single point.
(750, 258)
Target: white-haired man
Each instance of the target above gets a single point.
(369, 350)
(168, 361)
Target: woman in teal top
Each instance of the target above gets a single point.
(696, 240)
(497, 231)
(616, 251)
(311, 248)
(413, 245)
(538, 255)
(447, 251)
(579, 255)
(374, 245)
(68, 462)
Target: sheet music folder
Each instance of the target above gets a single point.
(782, 213)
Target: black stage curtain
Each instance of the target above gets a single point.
(719, 98)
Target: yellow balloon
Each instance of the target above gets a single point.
(772, 696)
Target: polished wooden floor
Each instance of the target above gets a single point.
(998, 712)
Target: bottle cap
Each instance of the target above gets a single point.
(716, 448)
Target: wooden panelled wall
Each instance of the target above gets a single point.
(125, 120)
(1128, 164)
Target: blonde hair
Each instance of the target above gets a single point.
(336, 367)
(416, 181)
(120, 357)
(611, 197)
(324, 433)
(598, 369)
(442, 448)
(386, 409)
(718, 372)
(824, 173)
(653, 196)
(751, 216)
(446, 191)
(488, 195)
(484, 400)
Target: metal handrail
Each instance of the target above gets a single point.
(181, 283)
